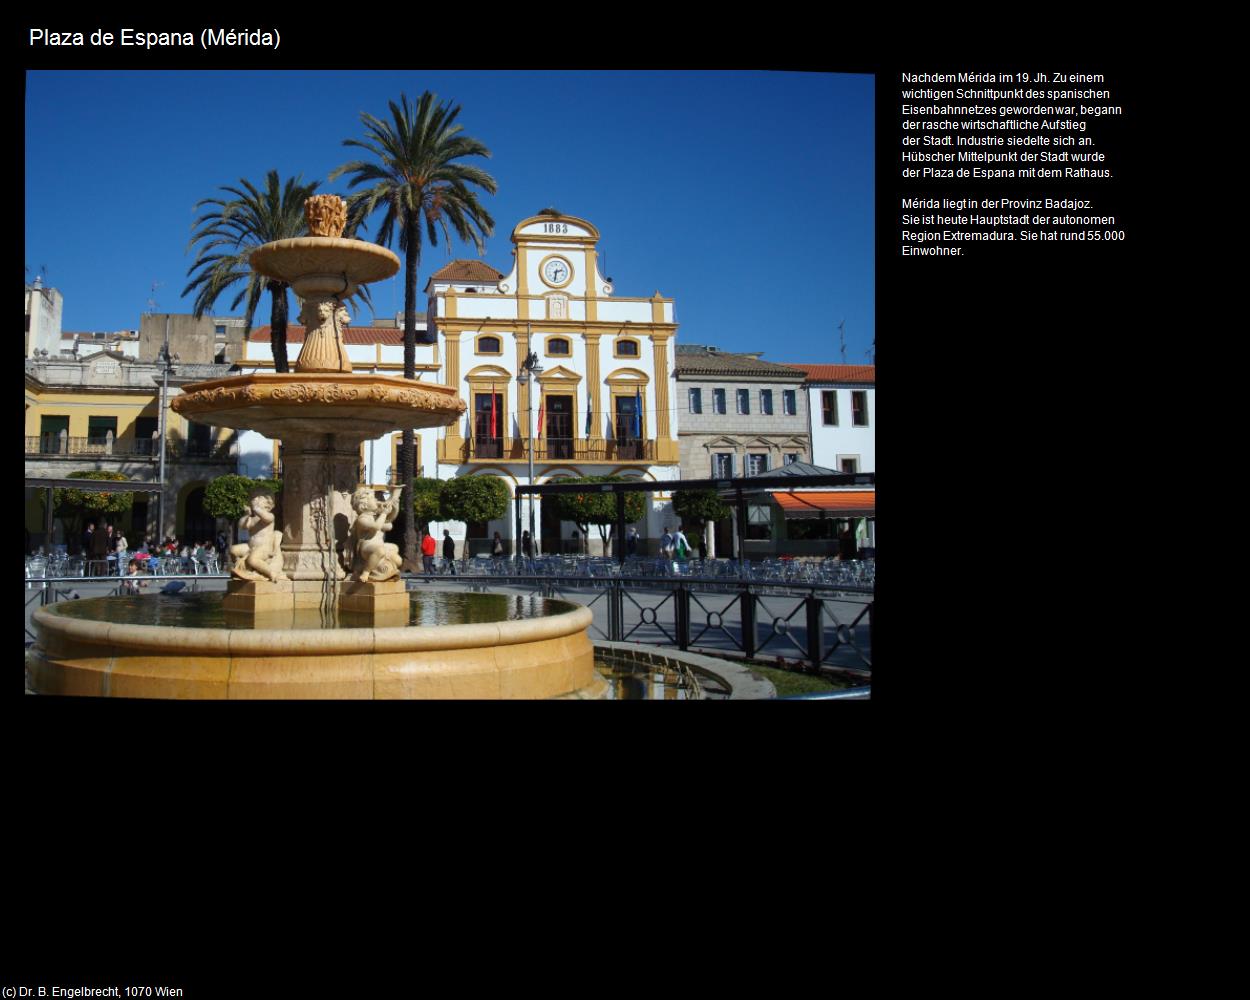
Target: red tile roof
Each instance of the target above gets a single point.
(466, 270)
(839, 373)
(351, 335)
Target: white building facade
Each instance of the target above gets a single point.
(842, 404)
(842, 407)
(44, 307)
(601, 404)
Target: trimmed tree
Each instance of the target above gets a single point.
(597, 507)
(426, 493)
(697, 507)
(78, 505)
(227, 496)
(474, 498)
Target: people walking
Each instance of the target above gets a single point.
(99, 552)
(428, 547)
(666, 543)
(449, 552)
(681, 545)
(527, 545)
(497, 550)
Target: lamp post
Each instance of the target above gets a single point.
(529, 367)
(168, 363)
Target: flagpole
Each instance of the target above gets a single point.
(530, 370)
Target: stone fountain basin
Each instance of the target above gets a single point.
(306, 259)
(282, 405)
(534, 658)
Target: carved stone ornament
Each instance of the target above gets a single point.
(326, 215)
(384, 392)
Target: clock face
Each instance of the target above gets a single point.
(556, 271)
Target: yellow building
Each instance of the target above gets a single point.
(102, 412)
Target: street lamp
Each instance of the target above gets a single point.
(169, 362)
(529, 367)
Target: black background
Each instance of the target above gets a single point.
(1007, 380)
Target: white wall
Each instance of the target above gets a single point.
(831, 444)
(255, 455)
(44, 307)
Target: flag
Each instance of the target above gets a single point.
(540, 419)
(588, 416)
(493, 423)
(638, 413)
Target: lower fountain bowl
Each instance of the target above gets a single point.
(539, 657)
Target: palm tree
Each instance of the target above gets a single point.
(421, 184)
(228, 234)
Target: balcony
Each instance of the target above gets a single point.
(561, 450)
(54, 445)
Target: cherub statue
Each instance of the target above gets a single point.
(260, 557)
(374, 559)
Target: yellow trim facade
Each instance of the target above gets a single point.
(589, 313)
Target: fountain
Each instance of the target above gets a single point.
(329, 566)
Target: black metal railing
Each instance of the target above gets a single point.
(211, 451)
(54, 444)
(559, 450)
(822, 626)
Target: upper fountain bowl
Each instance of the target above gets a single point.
(324, 265)
(323, 262)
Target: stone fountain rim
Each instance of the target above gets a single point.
(324, 243)
(175, 639)
(284, 378)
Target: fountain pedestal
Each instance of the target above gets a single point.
(319, 474)
(321, 418)
(368, 598)
(322, 412)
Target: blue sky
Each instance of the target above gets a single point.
(746, 196)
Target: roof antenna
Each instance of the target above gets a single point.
(842, 338)
(152, 297)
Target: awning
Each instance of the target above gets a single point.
(832, 503)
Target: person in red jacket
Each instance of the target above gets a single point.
(428, 548)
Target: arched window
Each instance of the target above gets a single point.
(487, 344)
(626, 347)
(559, 347)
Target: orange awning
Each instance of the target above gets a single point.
(838, 503)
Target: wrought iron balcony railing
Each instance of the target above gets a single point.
(512, 449)
(55, 444)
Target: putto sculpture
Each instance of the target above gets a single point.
(260, 557)
(373, 559)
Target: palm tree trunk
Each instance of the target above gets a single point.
(408, 444)
(277, 325)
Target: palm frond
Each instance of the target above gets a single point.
(239, 224)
